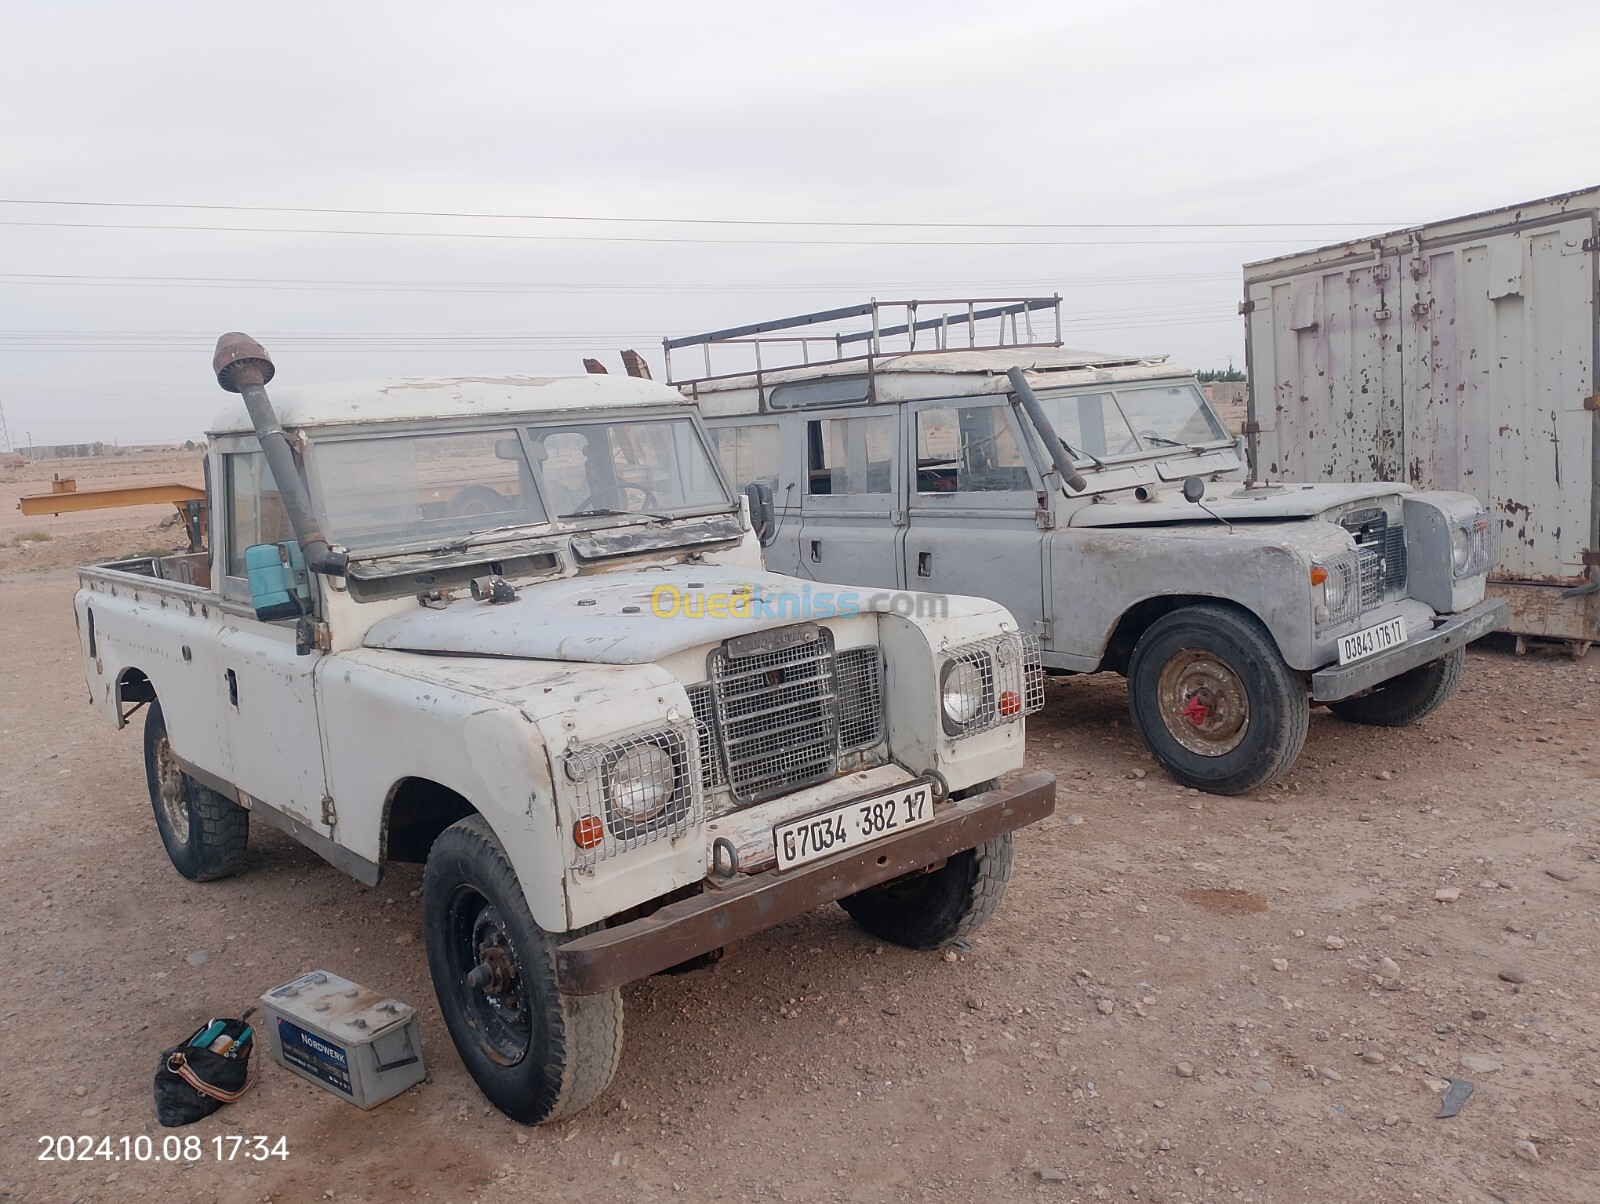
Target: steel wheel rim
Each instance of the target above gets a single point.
(1203, 704)
(498, 1012)
(172, 791)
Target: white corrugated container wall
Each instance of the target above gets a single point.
(1458, 355)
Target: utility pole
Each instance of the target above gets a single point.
(5, 435)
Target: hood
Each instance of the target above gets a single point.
(1230, 500)
(609, 618)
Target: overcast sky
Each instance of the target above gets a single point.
(1345, 119)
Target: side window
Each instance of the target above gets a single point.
(255, 507)
(748, 453)
(968, 449)
(850, 455)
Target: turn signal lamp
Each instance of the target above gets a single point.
(588, 832)
(1010, 703)
(1318, 574)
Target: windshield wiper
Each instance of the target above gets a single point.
(477, 537)
(1152, 437)
(605, 512)
(1081, 455)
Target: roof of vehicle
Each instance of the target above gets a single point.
(917, 375)
(412, 398)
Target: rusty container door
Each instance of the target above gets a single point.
(1499, 340)
(1456, 356)
(1325, 372)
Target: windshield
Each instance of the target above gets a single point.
(1163, 415)
(406, 489)
(624, 468)
(1132, 420)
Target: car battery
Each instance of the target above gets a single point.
(362, 1046)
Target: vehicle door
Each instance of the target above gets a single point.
(760, 449)
(975, 510)
(266, 694)
(853, 512)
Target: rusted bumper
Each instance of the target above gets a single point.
(679, 931)
(1456, 631)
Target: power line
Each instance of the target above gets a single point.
(637, 239)
(707, 221)
(510, 286)
(477, 336)
(552, 343)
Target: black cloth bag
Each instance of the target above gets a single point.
(192, 1082)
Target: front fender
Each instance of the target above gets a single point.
(390, 716)
(1098, 575)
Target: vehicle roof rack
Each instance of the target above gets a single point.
(892, 329)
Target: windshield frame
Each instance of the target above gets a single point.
(519, 424)
(1083, 458)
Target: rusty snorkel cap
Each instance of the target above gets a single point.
(243, 366)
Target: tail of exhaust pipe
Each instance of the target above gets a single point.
(243, 366)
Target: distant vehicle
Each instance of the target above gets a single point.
(430, 627)
(1101, 501)
(1457, 355)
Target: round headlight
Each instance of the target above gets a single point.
(643, 783)
(1336, 588)
(962, 692)
(1460, 549)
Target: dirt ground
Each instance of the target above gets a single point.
(1177, 1003)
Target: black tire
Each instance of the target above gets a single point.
(205, 833)
(926, 910)
(1407, 698)
(535, 1053)
(1214, 702)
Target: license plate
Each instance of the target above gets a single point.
(1389, 634)
(851, 825)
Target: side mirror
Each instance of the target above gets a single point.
(763, 517)
(1193, 489)
(279, 586)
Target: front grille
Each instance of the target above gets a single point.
(860, 676)
(710, 763)
(1394, 559)
(777, 714)
(1380, 552)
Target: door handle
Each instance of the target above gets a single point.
(233, 688)
(924, 564)
(816, 550)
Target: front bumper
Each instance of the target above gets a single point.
(1454, 631)
(611, 957)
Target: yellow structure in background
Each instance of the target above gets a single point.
(66, 498)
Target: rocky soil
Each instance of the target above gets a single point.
(1185, 998)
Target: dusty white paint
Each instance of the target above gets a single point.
(487, 700)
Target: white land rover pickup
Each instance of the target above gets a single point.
(516, 628)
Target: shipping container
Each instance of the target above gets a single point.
(1455, 355)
